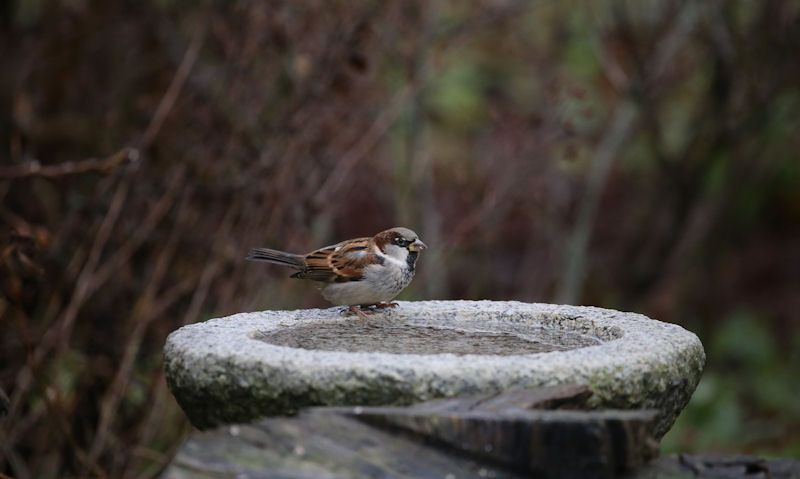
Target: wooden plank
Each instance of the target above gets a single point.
(518, 433)
(505, 429)
(544, 443)
(496, 435)
(319, 444)
(566, 396)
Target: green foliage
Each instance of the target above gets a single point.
(457, 95)
(747, 398)
(581, 54)
(28, 12)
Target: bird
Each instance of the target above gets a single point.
(359, 273)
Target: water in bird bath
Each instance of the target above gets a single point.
(407, 337)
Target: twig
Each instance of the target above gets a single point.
(142, 315)
(366, 143)
(59, 419)
(92, 275)
(210, 270)
(620, 130)
(386, 119)
(174, 89)
(576, 249)
(59, 333)
(124, 252)
(91, 165)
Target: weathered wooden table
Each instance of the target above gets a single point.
(545, 432)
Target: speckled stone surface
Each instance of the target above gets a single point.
(224, 371)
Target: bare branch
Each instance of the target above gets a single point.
(92, 165)
(622, 126)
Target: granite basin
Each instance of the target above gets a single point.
(250, 365)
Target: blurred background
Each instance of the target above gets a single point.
(638, 155)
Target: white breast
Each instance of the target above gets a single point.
(381, 283)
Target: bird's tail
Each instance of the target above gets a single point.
(277, 257)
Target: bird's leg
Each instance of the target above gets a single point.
(386, 305)
(355, 309)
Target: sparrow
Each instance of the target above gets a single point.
(358, 273)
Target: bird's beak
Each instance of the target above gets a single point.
(417, 245)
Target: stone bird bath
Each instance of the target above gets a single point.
(250, 365)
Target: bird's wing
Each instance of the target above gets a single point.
(339, 263)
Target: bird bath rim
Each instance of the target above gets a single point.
(221, 371)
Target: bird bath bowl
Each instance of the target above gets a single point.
(250, 365)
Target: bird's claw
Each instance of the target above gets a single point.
(358, 311)
(365, 310)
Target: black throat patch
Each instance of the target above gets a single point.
(411, 260)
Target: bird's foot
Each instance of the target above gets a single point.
(358, 311)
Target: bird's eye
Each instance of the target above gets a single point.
(402, 242)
